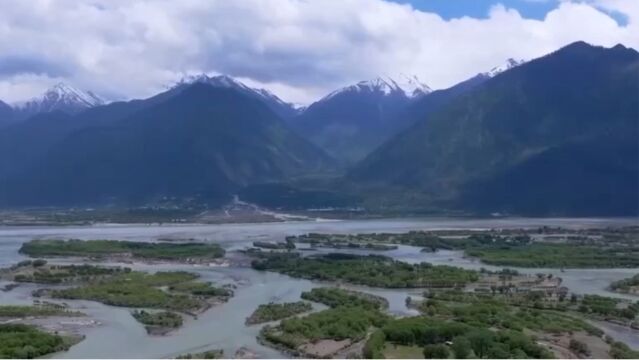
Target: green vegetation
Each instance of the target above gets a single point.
(498, 312)
(369, 270)
(579, 347)
(211, 354)
(436, 351)
(441, 337)
(551, 247)
(141, 290)
(158, 322)
(467, 325)
(619, 350)
(334, 297)
(20, 311)
(337, 324)
(144, 250)
(60, 274)
(272, 311)
(557, 255)
(380, 240)
(626, 285)
(198, 288)
(608, 307)
(19, 341)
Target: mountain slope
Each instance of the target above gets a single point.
(6, 114)
(204, 142)
(350, 122)
(577, 94)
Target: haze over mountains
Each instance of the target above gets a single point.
(562, 128)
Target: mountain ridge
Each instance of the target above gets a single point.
(205, 142)
(508, 119)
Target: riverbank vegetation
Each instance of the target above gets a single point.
(334, 297)
(182, 252)
(210, 354)
(323, 333)
(18, 341)
(161, 290)
(557, 256)
(48, 309)
(377, 271)
(158, 323)
(542, 247)
(30, 271)
(273, 311)
(466, 325)
(626, 286)
(329, 333)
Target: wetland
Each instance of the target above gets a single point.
(213, 293)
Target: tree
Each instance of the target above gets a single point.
(461, 347)
(437, 351)
(579, 347)
(39, 262)
(481, 342)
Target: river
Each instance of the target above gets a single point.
(120, 336)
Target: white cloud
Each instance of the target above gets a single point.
(298, 49)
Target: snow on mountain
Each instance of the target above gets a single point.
(225, 81)
(282, 108)
(409, 86)
(509, 64)
(60, 97)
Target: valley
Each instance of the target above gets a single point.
(364, 179)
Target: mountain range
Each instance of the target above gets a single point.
(555, 135)
(558, 134)
(203, 142)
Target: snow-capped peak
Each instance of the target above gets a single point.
(225, 81)
(61, 97)
(507, 65)
(282, 108)
(409, 86)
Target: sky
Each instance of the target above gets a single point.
(298, 49)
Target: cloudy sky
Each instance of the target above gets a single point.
(299, 49)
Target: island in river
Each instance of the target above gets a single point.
(257, 287)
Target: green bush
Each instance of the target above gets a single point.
(27, 342)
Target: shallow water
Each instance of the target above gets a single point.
(120, 336)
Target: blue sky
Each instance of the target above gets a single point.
(532, 9)
(448, 9)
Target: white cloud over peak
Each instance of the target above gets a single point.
(298, 49)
